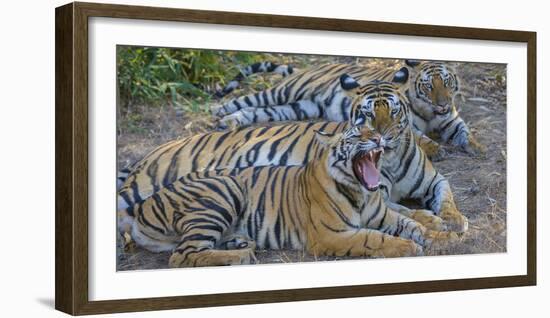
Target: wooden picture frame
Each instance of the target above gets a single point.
(71, 89)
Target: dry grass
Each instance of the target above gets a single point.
(479, 184)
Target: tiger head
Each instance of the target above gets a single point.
(380, 106)
(435, 86)
(353, 156)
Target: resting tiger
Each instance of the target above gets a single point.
(432, 99)
(406, 171)
(330, 206)
(316, 93)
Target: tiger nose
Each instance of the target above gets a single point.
(443, 106)
(442, 100)
(442, 103)
(377, 138)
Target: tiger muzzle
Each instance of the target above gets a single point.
(442, 110)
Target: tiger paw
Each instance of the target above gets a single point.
(429, 220)
(212, 258)
(439, 155)
(440, 238)
(399, 247)
(227, 123)
(248, 256)
(474, 148)
(455, 221)
(242, 256)
(233, 121)
(237, 242)
(129, 244)
(433, 150)
(218, 111)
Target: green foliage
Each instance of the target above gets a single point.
(183, 78)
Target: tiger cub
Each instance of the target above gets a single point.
(432, 94)
(316, 93)
(330, 206)
(406, 171)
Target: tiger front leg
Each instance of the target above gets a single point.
(363, 242)
(425, 217)
(433, 149)
(456, 132)
(441, 201)
(394, 223)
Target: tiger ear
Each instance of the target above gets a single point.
(324, 138)
(401, 80)
(349, 85)
(412, 63)
(401, 76)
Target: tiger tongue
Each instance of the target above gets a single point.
(370, 174)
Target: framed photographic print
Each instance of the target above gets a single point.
(259, 158)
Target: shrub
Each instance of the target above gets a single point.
(183, 78)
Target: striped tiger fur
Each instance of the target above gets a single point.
(122, 176)
(316, 93)
(432, 94)
(310, 94)
(406, 170)
(330, 206)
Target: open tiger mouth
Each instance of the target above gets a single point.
(365, 168)
(441, 110)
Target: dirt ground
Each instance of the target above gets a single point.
(478, 183)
